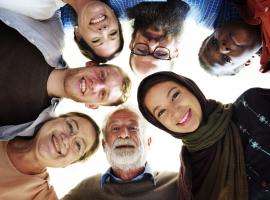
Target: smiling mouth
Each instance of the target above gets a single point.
(98, 19)
(185, 118)
(124, 146)
(83, 85)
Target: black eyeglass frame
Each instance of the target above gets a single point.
(153, 53)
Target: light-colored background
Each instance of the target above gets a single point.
(164, 154)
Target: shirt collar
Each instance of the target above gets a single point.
(109, 177)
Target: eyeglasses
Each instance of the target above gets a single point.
(141, 49)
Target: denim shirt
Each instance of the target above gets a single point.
(68, 15)
(213, 13)
(108, 176)
(47, 35)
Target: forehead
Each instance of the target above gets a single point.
(123, 116)
(158, 94)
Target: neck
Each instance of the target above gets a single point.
(22, 155)
(77, 5)
(127, 175)
(55, 83)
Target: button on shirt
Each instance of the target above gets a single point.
(108, 176)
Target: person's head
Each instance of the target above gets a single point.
(155, 39)
(172, 102)
(124, 141)
(66, 139)
(99, 33)
(229, 47)
(96, 85)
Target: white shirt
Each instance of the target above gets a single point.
(37, 9)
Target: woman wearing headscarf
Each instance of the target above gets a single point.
(58, 142)
(225, 152)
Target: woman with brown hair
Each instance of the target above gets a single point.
(58, 142)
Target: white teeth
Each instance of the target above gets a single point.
(83, 85)
(97, 20)
(184, 118)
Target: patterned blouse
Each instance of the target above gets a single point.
(252, 116)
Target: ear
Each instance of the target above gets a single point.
(92, 106)
(76, 33)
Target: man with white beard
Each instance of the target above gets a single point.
(130, 176)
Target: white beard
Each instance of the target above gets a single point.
(126, 159)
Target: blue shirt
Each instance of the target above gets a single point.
(213, 13)
(108, 176)
(68, 15)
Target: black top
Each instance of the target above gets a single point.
(23, 78)
(252, 116)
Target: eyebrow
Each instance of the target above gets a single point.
(99, 44)
(155, 109)
(168, 94)
(76, 123)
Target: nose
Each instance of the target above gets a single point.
(103, 27)
(123, 133)
(224, 47)
(152, 45)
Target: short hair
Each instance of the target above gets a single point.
(90, 53)
(95, 145)
(125, 88)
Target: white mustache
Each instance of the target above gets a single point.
(122, 142)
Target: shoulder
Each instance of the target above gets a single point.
(85, 188)
(166, 177)
(254, 96)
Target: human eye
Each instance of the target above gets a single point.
(175, 95)
(78, 145)
(70, 126)
(102, 75)
(113, 33)
(96, 40)
(161, 112)
(115, 128)
(133, 128)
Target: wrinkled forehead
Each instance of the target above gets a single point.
(123, 115)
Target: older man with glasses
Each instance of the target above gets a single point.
(155, 39)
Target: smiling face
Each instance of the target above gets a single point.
(96, 85)
(124, 143)
(98, 26)
(229, 47)
(152, 51)
(174, 107)
(63, 141)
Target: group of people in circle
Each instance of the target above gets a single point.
(226, 147)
